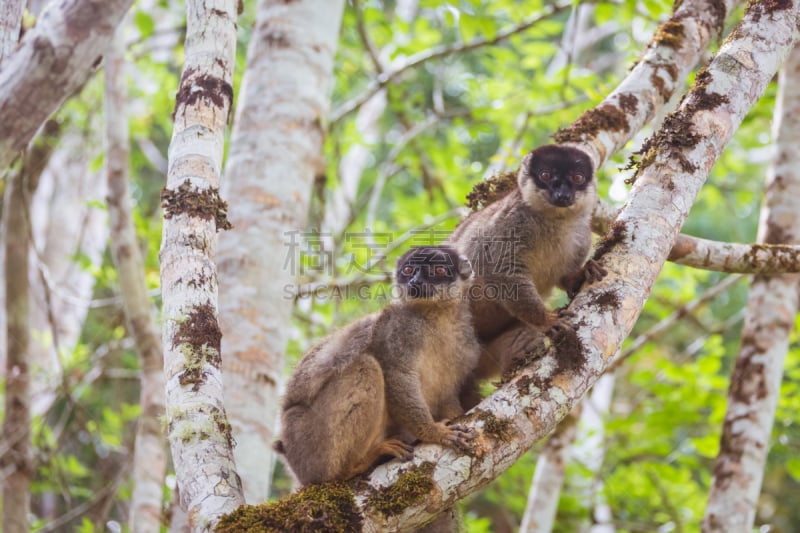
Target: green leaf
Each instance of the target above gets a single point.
(793, 467)
(144, 23)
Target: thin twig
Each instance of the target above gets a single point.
(674, 317)
(439, 52)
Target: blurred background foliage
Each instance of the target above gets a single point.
(449, 122)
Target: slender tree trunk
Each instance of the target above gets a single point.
(198, 429)
(548, 478)
(589, 451)
(771, 309)
(17, 464)
(275, 152)
(150, 457)
(53, 60)
(10, 22)
(61, 287)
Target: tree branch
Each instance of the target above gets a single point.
(10, 22)
(53, 61)
(730, 257)
(673, 51)
(384, 78)
(149, 454)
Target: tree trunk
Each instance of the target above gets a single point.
(548, 478)
(275, 153)
(198, 428)
(771, 309)
(53, 60)
(17, 463)
(10, 22)
(61, 288)
(150, 457)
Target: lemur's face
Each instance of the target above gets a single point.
(561, 175)
(431, 272)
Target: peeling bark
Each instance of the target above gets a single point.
(53, 60)
(150, 455)
(198, 430)
(771, 309)
(275, 152)
(526, 408)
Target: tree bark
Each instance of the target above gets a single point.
(526, 408)
(771, 309)
(674, 50)
(198, 430)
(150, 457)
(17, 462)
(275, 153)
(53, 60)
(10, 22)
(730, 257)
(548, 478)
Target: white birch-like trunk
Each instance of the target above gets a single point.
(589, 450)
(150, 455)
(771, 309)
(530, 405)
(53, 60)
(581, 442)
(198, 430)
(10, 22)
(275, 152)
(548, 478)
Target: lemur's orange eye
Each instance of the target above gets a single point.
(578, 179)
(439, 271)
(545, 175)
(407, 270)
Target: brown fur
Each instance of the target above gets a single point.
(527, 245)
(396, 373)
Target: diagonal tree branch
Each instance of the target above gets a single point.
(53, 61)
(674, 50)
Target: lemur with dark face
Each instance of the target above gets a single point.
(523, 245)
(371, 388)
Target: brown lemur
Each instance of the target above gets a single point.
(521, 246)
(371, 388)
